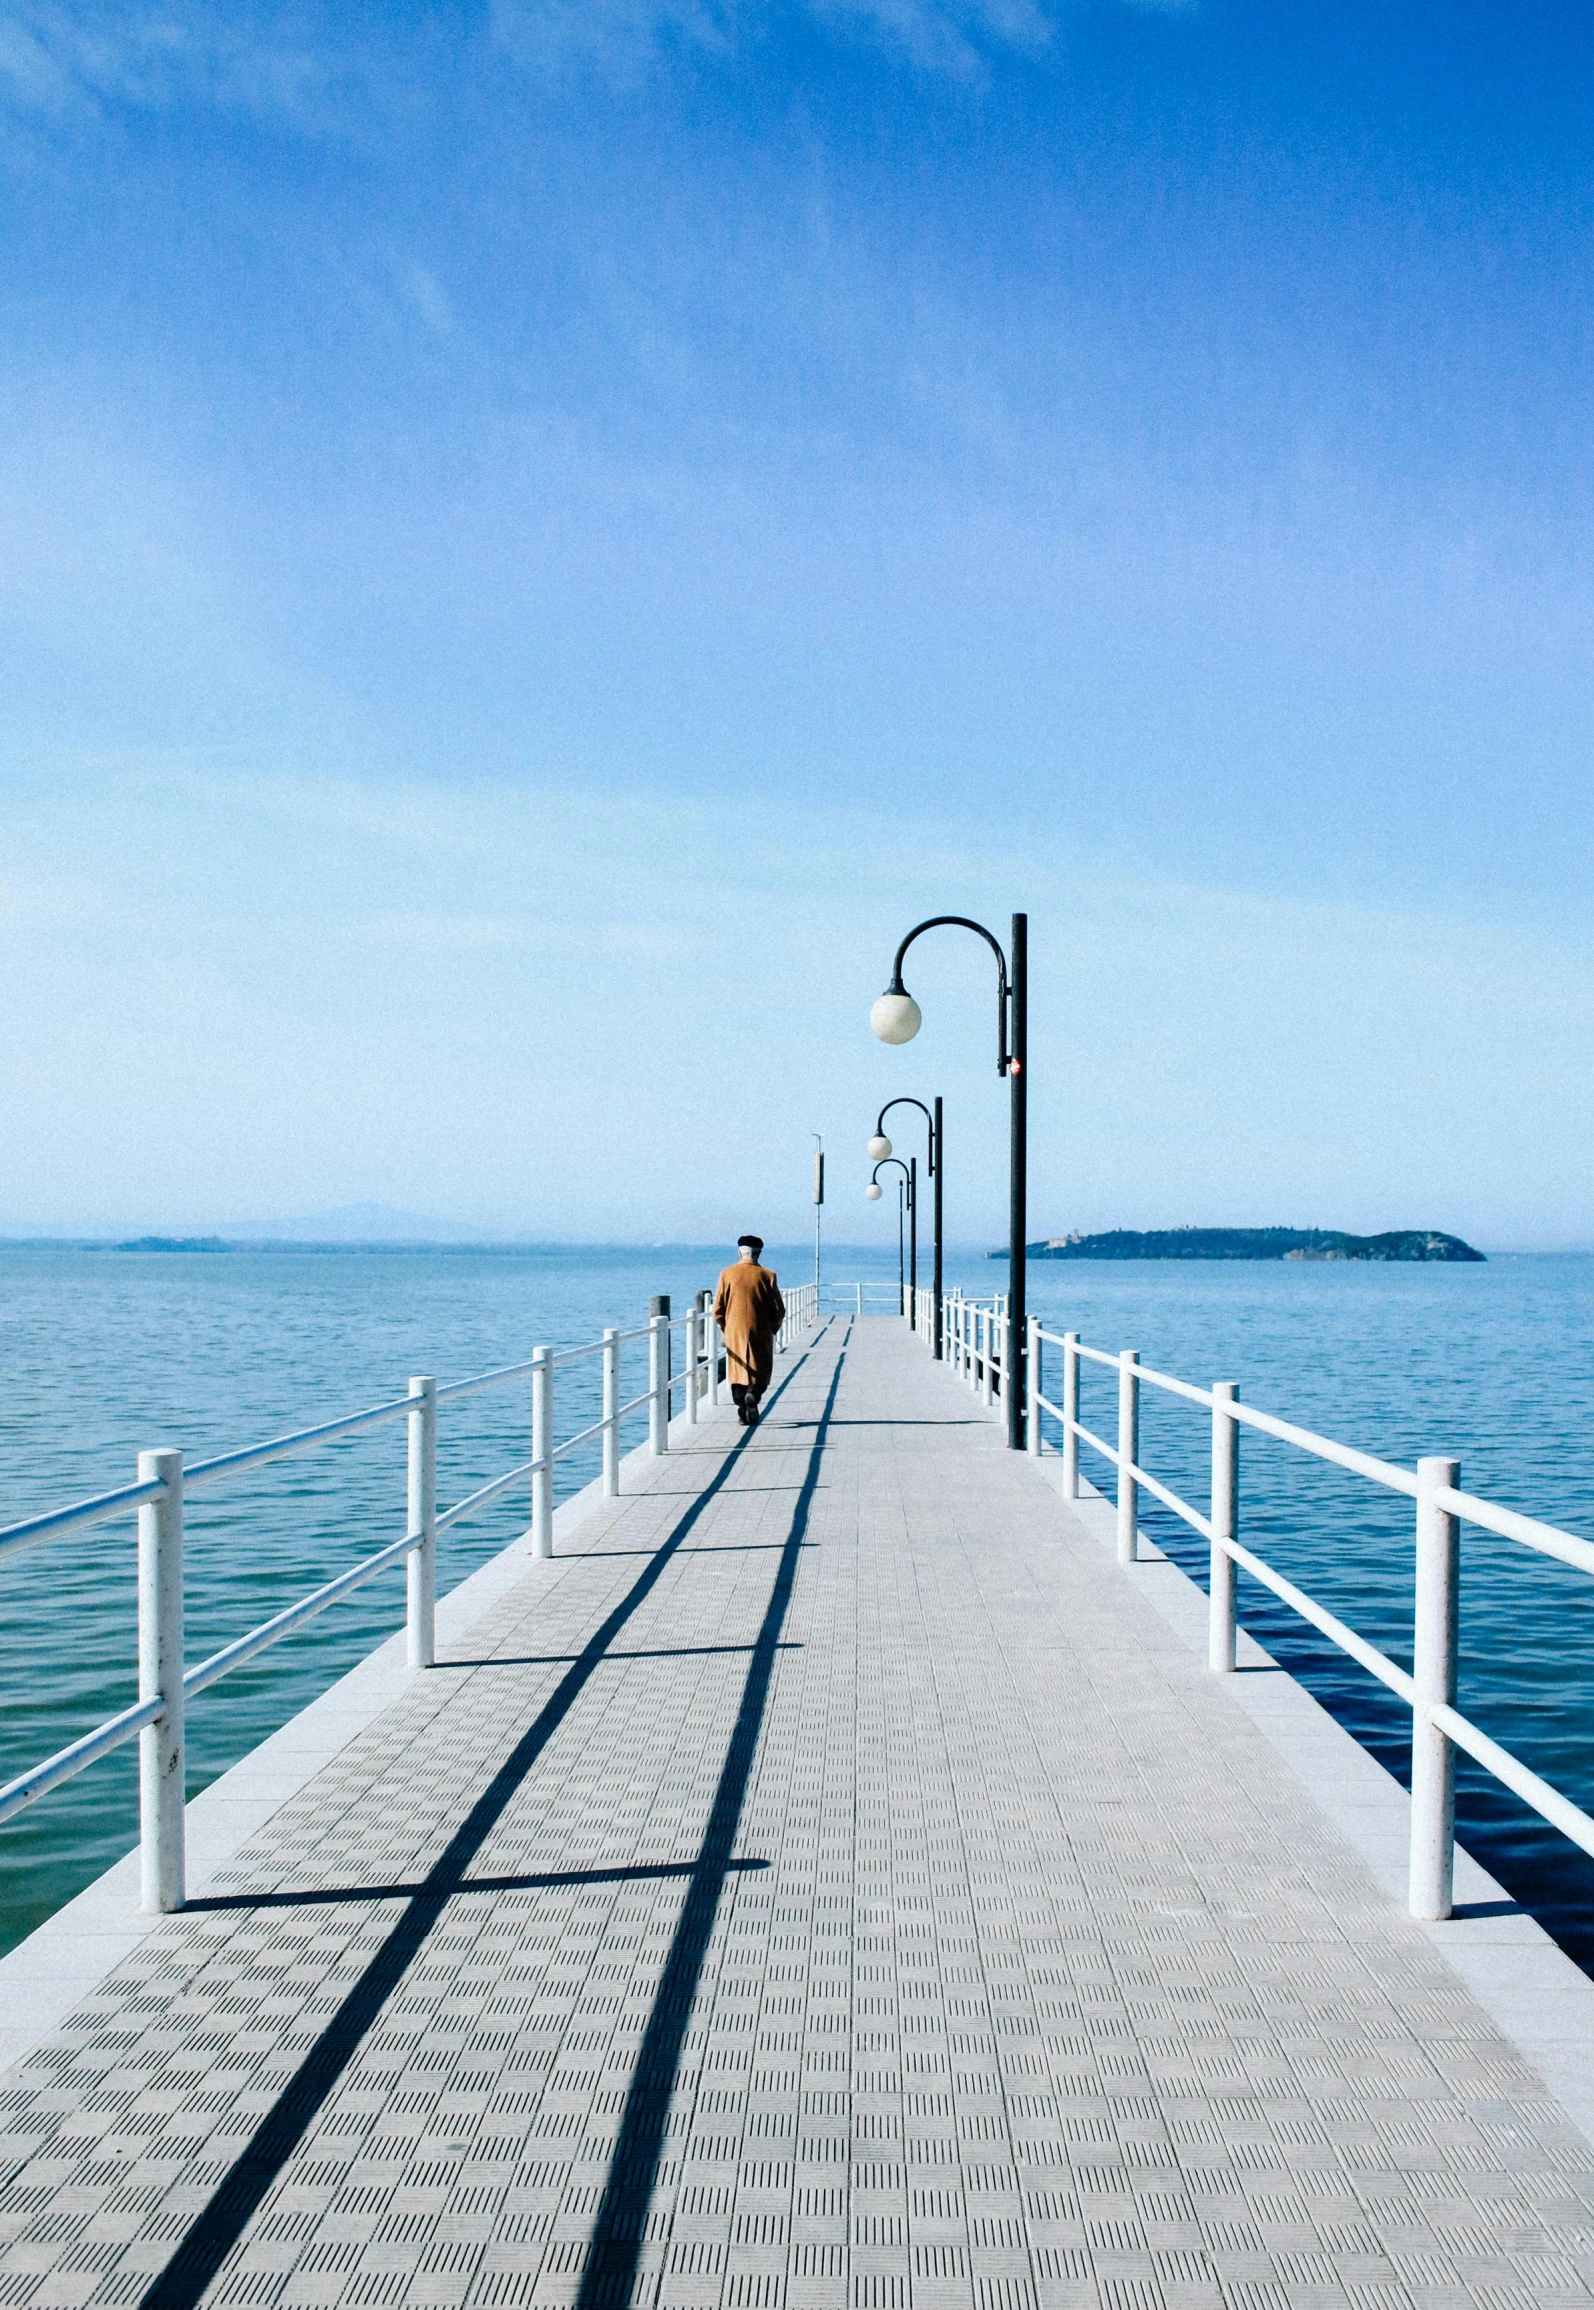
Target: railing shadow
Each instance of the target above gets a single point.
(211, 2239)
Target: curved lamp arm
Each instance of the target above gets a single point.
(880, 1124)
(1004, 1057)
(892, 1163)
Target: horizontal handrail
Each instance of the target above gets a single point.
(1331, 1625)
(301, 1440)
(33, 1531)
(1172, 1387)
(1107, 1451)
(1570, 1819)
(448, 1517)
(162, 1487)
(1192, 1516)
(281, 1624)
(1181, 1508)
(1442, 1507)
(493, 1379)
(580, 1437)
(1377, 1471)
(1385, 1472)
(28, 1787)
(1548, 1539)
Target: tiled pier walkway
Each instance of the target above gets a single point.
(830, 1883)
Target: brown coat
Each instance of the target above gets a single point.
(749, 1311)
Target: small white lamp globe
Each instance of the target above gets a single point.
(879, 1147)
(873, 1191)
(895, 1016)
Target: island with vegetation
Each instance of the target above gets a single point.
(1424, 1243)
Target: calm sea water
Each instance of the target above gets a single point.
(105, 1352)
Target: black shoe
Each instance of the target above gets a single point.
(750, 1416)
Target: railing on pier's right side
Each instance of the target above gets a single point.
(975, 1332)
(1441, 1507)
(166, 1683)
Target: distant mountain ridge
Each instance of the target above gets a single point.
(1407, 1243)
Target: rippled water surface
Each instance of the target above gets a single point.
(105, 1352)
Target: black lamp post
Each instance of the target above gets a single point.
(907, 1199)
(880, 1147)
(896, 1018)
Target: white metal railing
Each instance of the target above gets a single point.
(975, 1333)
(166, 1684)
(1441, 1507)
(865, 1298)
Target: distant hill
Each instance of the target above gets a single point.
(1423, 1243)
(174, 1243)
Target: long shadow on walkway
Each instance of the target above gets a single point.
(622, 2214)
(224, 2220)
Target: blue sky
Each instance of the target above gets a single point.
(535, 540)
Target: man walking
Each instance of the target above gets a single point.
(749, 1311)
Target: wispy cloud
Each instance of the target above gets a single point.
(941, 35)
(64, 62)
(619, 38)
(615, 38)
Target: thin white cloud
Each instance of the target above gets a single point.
(940, 35)
(618, 38)
(60, 62)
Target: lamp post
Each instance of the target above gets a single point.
(896, 1018)
(880, 1148)
(907, 1199)
(819, 1198)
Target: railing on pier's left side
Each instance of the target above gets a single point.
(1441, 1508)
(164, 1481)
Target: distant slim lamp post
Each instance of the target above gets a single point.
(819, 1198)
(907, 1200)
(880, 1148)
(896, 1018)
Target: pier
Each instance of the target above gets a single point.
(829, 1878)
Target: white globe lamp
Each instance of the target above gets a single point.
(895, 1016)
(879, 1147)
(873, 1191)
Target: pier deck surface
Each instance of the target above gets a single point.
(830, 1883)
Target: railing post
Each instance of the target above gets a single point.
(713, 1336)
(611, 1413)
(1070, 1415)
(420, 1566)
(1433, 1670)
(659, 1374)
(1032, 1368)
(860, 1302)
(1128, 1452)
(1224, 1520)
(162, 1767)
(690, 1368)
(989, 1315)
(705, 1340)
(542, 1451)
